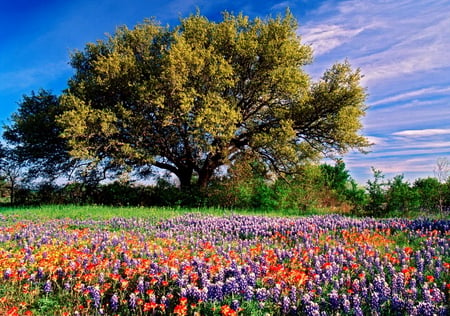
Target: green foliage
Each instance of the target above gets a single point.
(246, 187)
(397, 197)
(377, 198)
(35, 136)
(199, 96)
(336, 177)
(401, 197)
(428, 193)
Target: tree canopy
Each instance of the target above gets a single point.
(34, 136)
(204, 94)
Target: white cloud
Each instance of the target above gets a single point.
(401, 47)
(399, 37)
(423, 132)
(324, 38)
(376, 140)
(282, 5)
(419, 93)
(406, 166)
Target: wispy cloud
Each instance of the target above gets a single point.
(282, 5)
(392, 45)
(325, 37)
(415, 94)
(375, 140)
(423, 132)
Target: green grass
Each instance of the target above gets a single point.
(96, 212)
(89, 212)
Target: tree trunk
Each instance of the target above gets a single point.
(206, 173)
(185, 178)
(12, 191)
(204, 177)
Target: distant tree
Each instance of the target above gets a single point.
(377, 194)
(401, 197)
(441, 172)
(3, 184)
(336, 177)
(34, 137)
(11, 172)
(442, 169)
(429, 190)
(196, 97)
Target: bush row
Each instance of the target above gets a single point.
(316, 187)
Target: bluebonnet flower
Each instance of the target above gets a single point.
(426, 309)
(381, 287)
(47, 287)
(215, 291)
(140, 285)
(7, 273)
(231, 286)
(182, 281)
(203, 281)
(40, 273)
(412, 289)
(132, 301)
(345, 304)
(94, 291)
(443, 311)
(293, 294)
(426, 293)
(203, 294)
(436, 295)
(285, 305)
(183, 292)
(114, 302)
(248, 293)
(276, 292)
(398, 282)
(312, 309)
(375, 301)
(60, 272)
(164, 301)
(251, 279)
(101, 278)
(333, 297)
(67, 286)
(242, 282)
(261, 294)
(235, 305)
(356, 285)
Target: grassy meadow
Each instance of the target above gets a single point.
(95, 260)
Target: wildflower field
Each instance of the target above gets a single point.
(198, 264)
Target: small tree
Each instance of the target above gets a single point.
(11, 172)
(429, 191)
(441, 172)
(377, 194)
(401, 197)
(336, 177)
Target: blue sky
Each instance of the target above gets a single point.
(401, 46)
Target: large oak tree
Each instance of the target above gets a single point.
(198, 96)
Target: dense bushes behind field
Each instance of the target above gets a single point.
(319, 187)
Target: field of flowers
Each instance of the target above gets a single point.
(198, 264)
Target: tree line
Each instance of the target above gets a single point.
(218, 107)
